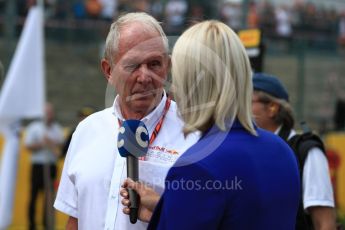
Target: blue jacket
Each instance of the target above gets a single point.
(231, 180)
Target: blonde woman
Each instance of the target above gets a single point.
(236, 176)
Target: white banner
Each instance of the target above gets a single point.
(22, 96)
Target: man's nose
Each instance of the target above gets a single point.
(144, 74)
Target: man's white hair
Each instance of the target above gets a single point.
(148, 22)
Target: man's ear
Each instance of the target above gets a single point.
(106, 69)
(273, 109)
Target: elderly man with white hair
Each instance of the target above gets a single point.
(136, 64)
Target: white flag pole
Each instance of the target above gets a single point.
(8, 172)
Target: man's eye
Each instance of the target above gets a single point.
(155, 64)
(131, 68)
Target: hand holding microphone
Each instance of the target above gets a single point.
(133, 142)
(149, 199)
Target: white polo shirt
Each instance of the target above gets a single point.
(316, 182)
(317, 187)
(94, 170)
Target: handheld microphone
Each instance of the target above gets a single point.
(133, 142)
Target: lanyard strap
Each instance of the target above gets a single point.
(159, 124)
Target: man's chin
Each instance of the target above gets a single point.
(141, 97)
(145, 103)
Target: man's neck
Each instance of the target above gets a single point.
(133, 114)
(128, 113)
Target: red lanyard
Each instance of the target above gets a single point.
(159, 124)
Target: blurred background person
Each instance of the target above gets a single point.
(253, 19)
(175, 15)
(43, 139)
(283, 21)
(93, 8)
(342, 29)
(231, 14)
(109, 9)
(273, 112)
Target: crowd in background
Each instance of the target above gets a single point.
(276, 21)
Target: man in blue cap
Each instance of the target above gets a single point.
(272, 111)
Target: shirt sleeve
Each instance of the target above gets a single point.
(317, 187)
(67, 197)
(189, 200)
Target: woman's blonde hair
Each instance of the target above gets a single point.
(212, 78)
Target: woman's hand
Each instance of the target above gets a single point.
(148, 199)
